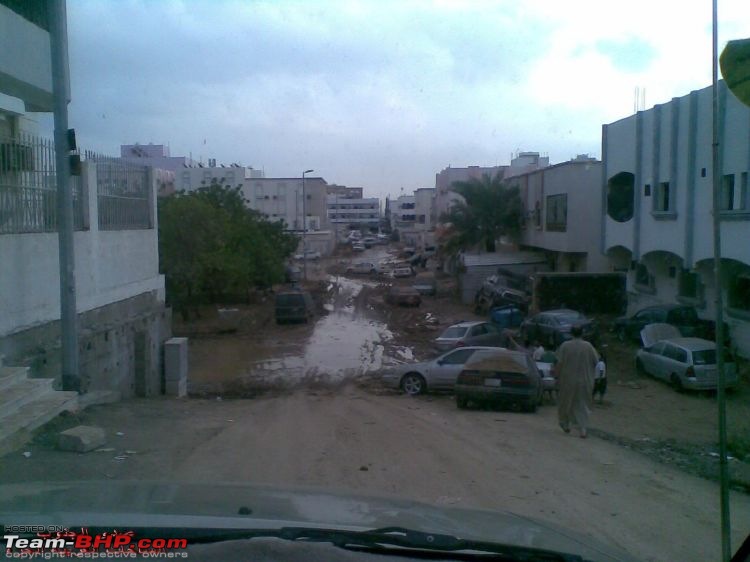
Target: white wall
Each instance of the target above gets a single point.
(25, 61)
(110, 266)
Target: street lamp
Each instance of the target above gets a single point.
(304, 226)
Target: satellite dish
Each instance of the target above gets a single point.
(735, 68)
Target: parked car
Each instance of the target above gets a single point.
(403, 296)
(436, 374)
(501, 376)
(685, 318)
(469, 333)
(552, 327)
(425, 283)
(308, 255)
(358, 247)
(294, 306)
(369, 242)
(500, 296)
(363, 268)
(292, 273)
(684, 362)
(403, 271)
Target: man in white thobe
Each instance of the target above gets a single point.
(576, 364)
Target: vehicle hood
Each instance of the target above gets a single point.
(652, 333)
(139, 504)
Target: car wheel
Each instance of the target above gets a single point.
(462, 402)
(413, 384)
(676, 383)
(639, 368)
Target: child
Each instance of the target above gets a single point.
(600, 379)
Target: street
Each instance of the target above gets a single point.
(301, 405)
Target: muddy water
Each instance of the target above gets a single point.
(348, 341)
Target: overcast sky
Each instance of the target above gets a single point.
(374, 93)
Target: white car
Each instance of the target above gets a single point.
(402, 271)
(358, 247)
(441, 372)
(363, 268)
(308, 255)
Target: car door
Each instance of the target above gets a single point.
(674, 361)
(476, 335)
(653, 358)
(444, 372)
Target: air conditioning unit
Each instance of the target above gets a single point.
(16, 157)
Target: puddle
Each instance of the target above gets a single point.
(345, 343)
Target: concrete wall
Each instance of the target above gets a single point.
(111, 266)
(25, 61)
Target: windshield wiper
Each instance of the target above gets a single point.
(390, 538)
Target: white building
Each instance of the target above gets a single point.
(155, 155)
(349, 213)
(563, 214)
(657, 193)
(195, 177)
(122, 316)
(424, 207)
(445, 197)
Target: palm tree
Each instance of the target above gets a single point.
(490, 209)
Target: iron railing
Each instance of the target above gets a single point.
(28, 189)
(123, 193)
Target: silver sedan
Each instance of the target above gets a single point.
(438, 373)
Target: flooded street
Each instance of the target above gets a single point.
(348, 340)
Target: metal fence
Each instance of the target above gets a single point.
(123, 193)
(28, 188)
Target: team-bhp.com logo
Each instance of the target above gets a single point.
(35, 541)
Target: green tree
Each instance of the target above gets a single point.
(212, 246)
(490, 209)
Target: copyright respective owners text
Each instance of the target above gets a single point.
(47, 542)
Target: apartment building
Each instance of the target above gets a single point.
(280, 199)
(657, 202)
(563, 214)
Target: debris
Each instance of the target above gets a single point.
(131, 452)
(81, 439)
(230, 421)
(120, 458)
(119, 434)
(105, 450)
(635, 385)
(363, 468)
(27, 454)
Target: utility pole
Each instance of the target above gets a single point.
(61, 94)
(304, 226)
(726, 547)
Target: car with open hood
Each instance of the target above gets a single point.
(685, 363)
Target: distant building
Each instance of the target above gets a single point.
(345, 192)
(192, 178)
(525, 162)
(345, 213)
(280, 199)
(562, 214)
(656, 200)
(155, 155)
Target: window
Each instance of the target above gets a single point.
(647, 190)
(739, 292)
(621, 196)
(733, 196)
(675, 353)
(557, 212)
(643, 277)
(689, 285)
(658, 348)
(458, 357)
(662, 198)
(478, 330)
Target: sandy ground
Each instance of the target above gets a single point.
(301, 405)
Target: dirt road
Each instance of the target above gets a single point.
(313, 414)
(423, 449)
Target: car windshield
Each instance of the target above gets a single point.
(235, 236)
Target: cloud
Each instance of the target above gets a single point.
(380, 94)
